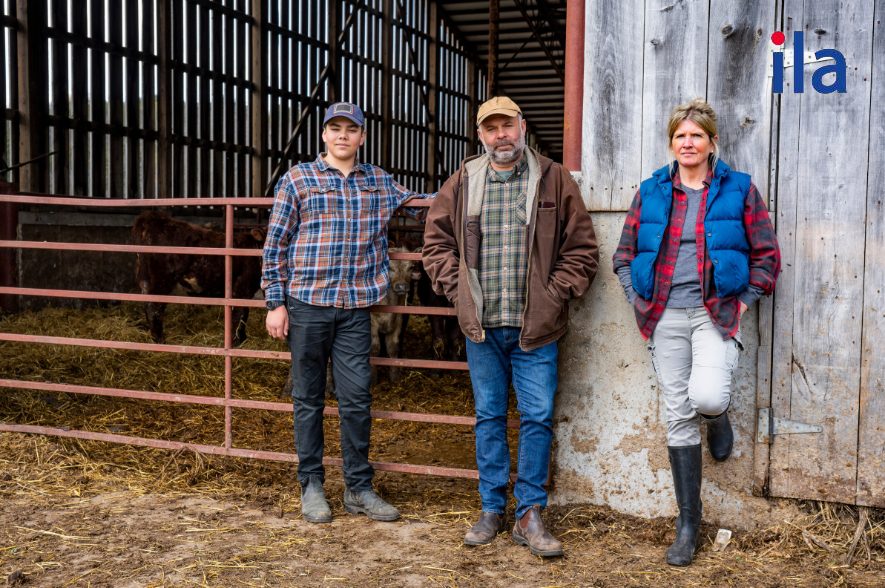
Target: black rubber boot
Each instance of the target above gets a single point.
(685, 463)
(720, 437)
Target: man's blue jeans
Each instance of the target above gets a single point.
(494, 364)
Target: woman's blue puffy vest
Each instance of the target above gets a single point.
(726, 239)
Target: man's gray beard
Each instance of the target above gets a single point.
(505, 157)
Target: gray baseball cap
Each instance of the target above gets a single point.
(347, 110)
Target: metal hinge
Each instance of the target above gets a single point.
(768, 425)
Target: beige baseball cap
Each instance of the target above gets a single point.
(497, 105)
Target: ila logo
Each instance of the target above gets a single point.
(817, 79)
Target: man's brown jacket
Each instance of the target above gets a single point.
(563, 255)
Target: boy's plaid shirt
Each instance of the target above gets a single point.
(765, 258)
(327, 237)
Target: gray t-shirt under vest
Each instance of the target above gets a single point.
(686, 290)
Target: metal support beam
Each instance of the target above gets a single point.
(574, 86)
(494, 16)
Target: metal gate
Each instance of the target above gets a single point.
(227, 351)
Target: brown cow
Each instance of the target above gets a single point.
(388, 326)
(200, 275)
(445, 334)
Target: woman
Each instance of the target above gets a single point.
(697, 249)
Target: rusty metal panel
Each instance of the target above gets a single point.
(817, 360)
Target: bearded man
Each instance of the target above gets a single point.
(509, 242)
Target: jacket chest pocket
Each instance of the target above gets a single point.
(547, 237)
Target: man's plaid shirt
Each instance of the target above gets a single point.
(503, 260)
(765, 258)
(327, 237)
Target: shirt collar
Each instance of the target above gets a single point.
(518, 170)
(677, 181)
(323, 165)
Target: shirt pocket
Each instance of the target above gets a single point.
(323, 200)
(373, 210)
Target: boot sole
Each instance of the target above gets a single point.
(474, 543)
(548, 553)
(359, 510)
(317, 520)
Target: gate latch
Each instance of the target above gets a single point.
(768, 425)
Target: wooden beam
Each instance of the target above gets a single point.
(259, 98)
(433, 161)
(470, 123)
(334, 52)
(80, 99)
(32, 98)
(115, 160)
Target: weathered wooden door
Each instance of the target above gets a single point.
(828, 362)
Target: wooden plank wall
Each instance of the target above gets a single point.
(739, 34)
(816, 158)
(871, 433)
(631, 92)
(612, 132)
(827, 265)
(200, 97)
(674, 70)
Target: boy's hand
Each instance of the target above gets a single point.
(277, 322)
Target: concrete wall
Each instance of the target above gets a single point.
(610, 427)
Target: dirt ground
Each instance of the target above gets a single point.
(95, 514)
(92, 514)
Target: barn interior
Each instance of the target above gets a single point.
(108, 106)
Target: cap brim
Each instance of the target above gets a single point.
(351, 118)
(502, 111)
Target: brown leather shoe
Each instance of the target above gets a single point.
(529, 530)
(485, 529)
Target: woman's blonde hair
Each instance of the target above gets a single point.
(700, 113)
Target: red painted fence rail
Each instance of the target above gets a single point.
(227, 351)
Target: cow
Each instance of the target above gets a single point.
(387, 327)
(203, 275)
(445, 334)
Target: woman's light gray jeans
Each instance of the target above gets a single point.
(694, 365)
